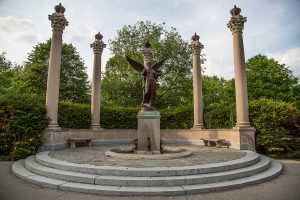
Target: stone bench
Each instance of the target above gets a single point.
(73, 141)
(214, 142)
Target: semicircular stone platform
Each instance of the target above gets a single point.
(88, 170)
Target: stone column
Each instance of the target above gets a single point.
(58, 23)
(236, 25)
(196, 48)
(97, 47)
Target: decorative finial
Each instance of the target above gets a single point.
(235, 11)
(59, 9)
(98, 36)
(147, 44)
(195, 37)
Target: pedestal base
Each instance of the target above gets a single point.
(148, 131)
(246, 137)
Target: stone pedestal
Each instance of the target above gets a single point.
(245, 138)
(148, 132)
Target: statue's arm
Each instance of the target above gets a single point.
(136, 65)
(156, 66)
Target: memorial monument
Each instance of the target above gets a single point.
(119, 168)
(148, 118)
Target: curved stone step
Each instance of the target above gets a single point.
(185, 179)
(19, 169)
(250, 159)
(33, 166)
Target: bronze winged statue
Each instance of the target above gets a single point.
(150, 74)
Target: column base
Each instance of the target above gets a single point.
(96, 127)
(243, 124)
(198, 127)
(53, 127)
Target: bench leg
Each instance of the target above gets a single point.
(205, 142)
(219, 144)
(211, 143)
(73, 146)
(89, 143)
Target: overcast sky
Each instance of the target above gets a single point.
(272, 27)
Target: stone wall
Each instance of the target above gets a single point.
(236, 138)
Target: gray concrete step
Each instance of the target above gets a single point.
(250, 159)
(33, 166)
(20, 170)
(37, 168)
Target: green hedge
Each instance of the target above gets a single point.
(220, 115)
(74, 115)
(178, 118)
(272, 119)
(22, 119)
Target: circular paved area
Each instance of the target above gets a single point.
(95, 156)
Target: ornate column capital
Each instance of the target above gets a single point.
(98, 45)
(236, 23)
(58, 20)
(195, 45)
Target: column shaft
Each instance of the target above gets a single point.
(197, 91)
(240, 80)
(53, 78)
(96, 87)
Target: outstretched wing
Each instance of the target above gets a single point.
(138, 66)
(156, 66)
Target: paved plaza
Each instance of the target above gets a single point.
(95, 156)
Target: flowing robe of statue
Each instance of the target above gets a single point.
(150, 75)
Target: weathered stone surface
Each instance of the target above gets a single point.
(148, 131)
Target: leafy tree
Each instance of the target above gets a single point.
(267, 78)
(8, 74)
(74, 84)
(121, 84)
(217, 90)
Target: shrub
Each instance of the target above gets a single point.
(74, 115)
(220, 115)
(273, 120)
(118, 117)
(22, 119)
(177, 118)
